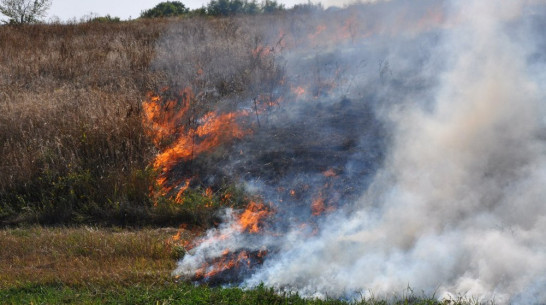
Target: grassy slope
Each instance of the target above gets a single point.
(74, 148)
(70, 121)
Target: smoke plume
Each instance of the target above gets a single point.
(414, 155)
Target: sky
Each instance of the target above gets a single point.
(125, 9)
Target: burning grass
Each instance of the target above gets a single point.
(75, 148)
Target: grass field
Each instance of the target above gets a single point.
(117, 266)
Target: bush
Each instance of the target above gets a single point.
(239, 7)
(166, 9)
(272, 6)
(105, 19)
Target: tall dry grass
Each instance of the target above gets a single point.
(70, 118)
(72, 144)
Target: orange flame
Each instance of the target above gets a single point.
(181, 190)
(216, 130)
(251, 218)
(225, 263)
(329, 173)
(318, 207)
(299, 91)
(262, 51)
(164, 121)
(318, 30)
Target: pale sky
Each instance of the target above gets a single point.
(125, 9)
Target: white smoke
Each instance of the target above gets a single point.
(458, 207)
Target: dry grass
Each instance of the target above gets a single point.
(73, 146)
(70, 122)
(86, 256)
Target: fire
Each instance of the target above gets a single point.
(251, 218)
(262, 51)
(226, 262)
(318, 207)
(319, 29)
(320, 190)
(165, 121)
(229, 261)
(215, 130)
(209, 192)
(177, 236)
(181, 190)
(184, 237)
(298, 91)
(329, 173)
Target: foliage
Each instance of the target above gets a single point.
(166, 9)
(215, 8)
(272, 6)
(105, 19)
(308, 7)
(238, 7)
(24, 11)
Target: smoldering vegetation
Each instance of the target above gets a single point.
(316, 91)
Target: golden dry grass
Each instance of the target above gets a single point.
(86, 256)
(73, 146)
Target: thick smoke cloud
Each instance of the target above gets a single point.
(446, 160)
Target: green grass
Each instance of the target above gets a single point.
(172, 293)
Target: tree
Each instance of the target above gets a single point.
(105, 19)
(235, 7)
(271, 6)
(231, 7)
(24, 11)
(166, 9)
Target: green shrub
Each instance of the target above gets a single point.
(166, 9)
(105, 19)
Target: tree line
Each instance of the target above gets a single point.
(31, 11)
(214, 8)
